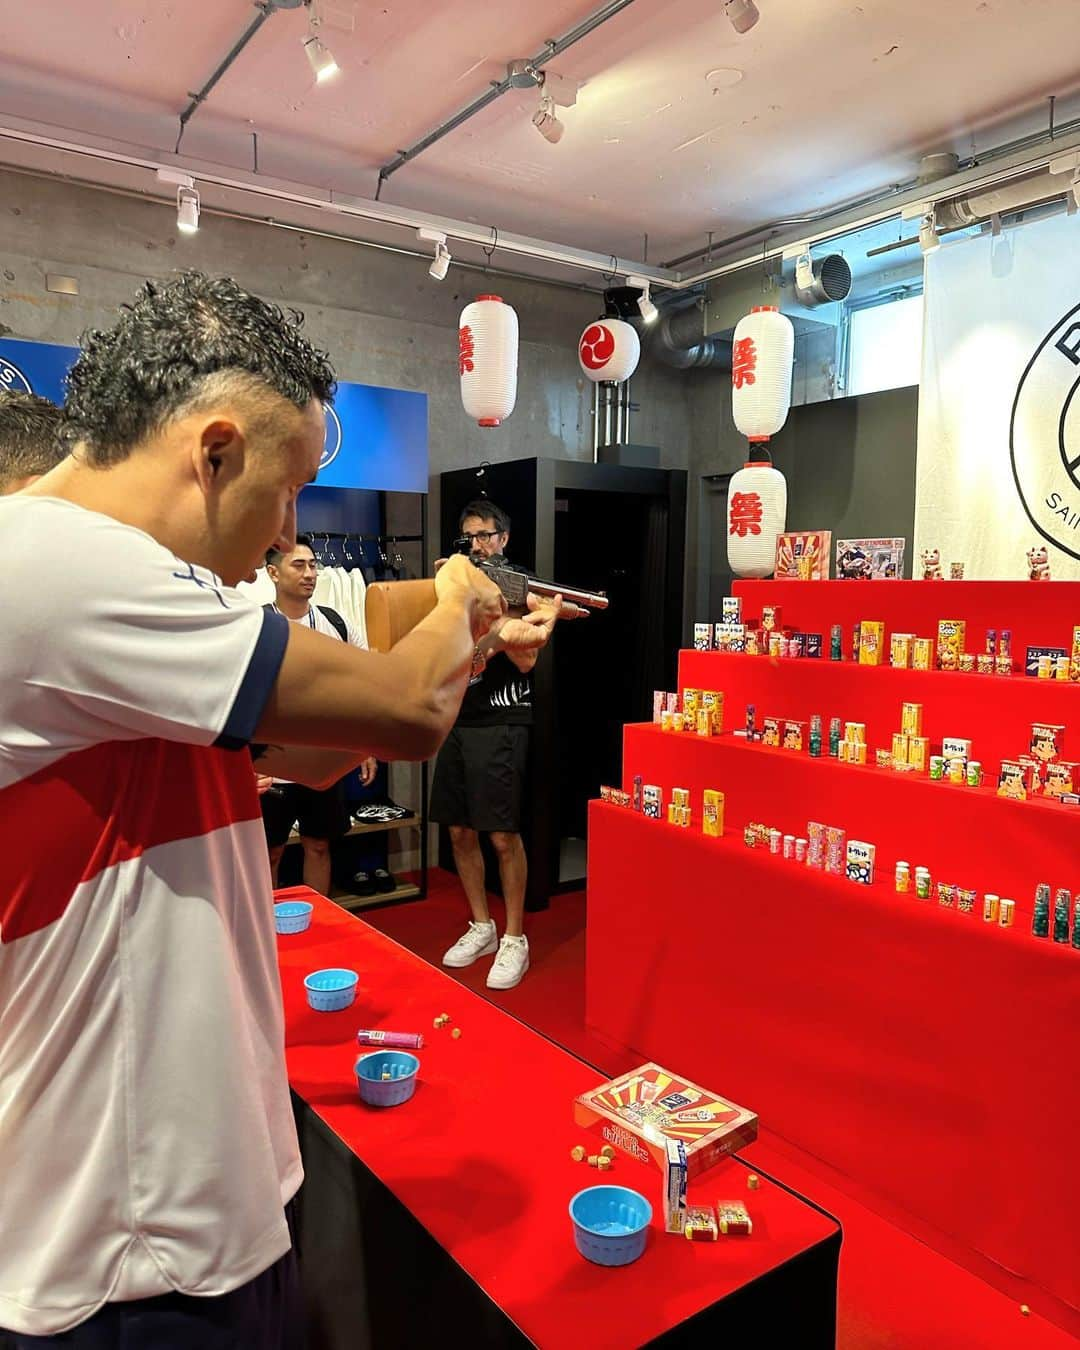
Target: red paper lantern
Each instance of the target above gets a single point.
(609, 351)
(762, 356)
(487, 359)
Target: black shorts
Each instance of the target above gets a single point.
(480, 777)
(317, 815)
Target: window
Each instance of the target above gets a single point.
(884, 344)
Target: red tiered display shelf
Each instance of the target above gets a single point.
(924, 1054)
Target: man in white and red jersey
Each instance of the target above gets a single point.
(146, 1138)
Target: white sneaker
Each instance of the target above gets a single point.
(511, 963)
(479, 940)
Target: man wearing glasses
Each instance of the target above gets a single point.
(479, 779)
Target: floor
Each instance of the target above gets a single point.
(895, 1292)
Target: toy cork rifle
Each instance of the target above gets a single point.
(394, 608)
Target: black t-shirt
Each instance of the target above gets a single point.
(500, 695)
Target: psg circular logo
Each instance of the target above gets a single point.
(12, 378)
(332, 444)
(1044, 436)
(597, 346)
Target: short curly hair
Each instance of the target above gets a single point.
(30, 437)
(175, 344)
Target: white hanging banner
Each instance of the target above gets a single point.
(998, 471)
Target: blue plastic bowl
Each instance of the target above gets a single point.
(292, 916)
(331, 990)
(611, 1224)
(398, 1088)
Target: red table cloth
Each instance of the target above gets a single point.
(481, 1154)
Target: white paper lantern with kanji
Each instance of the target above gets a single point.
(488, 359)
(757, 513)
(762, 356)
(609, 351)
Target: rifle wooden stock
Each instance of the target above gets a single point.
(394, 608)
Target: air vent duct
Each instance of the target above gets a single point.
(822, 281)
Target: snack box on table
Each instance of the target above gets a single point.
(640, 1111)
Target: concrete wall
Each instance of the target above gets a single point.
(381, 317)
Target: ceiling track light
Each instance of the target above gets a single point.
(320, 57)
(646, 308)
(546, 120)
(741, 14)
(442, 260)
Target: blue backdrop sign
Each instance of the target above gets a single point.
(375, 438)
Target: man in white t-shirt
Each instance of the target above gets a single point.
(148, 1146)
(321, 815)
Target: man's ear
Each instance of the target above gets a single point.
(218, 455)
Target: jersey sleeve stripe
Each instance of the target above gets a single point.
(257, 683)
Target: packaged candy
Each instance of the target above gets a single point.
(704, 722)
(900, 650)
(883, 759)
(770, 728)
(813, 645)
(701, 1224)
(922, 654)
(1046, 741)
(712, 819)
(834, 737)
(1062, 899)
(691, 702)
(815, 850)
(965, 900)
(950, 642)
(675, 1186)
(871, 642)
(911, 719)
(991, 908)
(918, 752)
(637, 792)
(946, 894)
(984, 664)
(793, 735)
(659, 704)
(1007, 913)
(665, 720)
(937, 768)
(899, 748)
(651, 801)
(903, 878)
(860, 862)
(703, 637)
(1012, 781)
(923, 883)
(967, 663)
(734, 1219)
(770, 618)
(750, 724)
(732, 609)
(1061, 778)
(974, 773)
(836, 643)
(835, 854)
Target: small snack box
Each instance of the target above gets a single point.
(922, 654)
(660, 1119)
(835, 851)
(712, 819)
(701, 1225)
(732, 609)
(860, 862)
(956, 747)
(704, 722)
(794, 735)
(814, 644)
(1046, 741)
(1012, 780)
(703, 637)
(659, 705)
(691, 702)
(918, 752)
(1074, 659)
(911, 719)
(734, 1219)
(712, 702)
(950, 641)
(871, 642)
(900, 650)
(1062, 778)
(899, 748)
(651, 801)
(770, 727)
(771, 619)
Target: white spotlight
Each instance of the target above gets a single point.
(439, 268)
(320, 57)
(743, 14)
(545, 120)
(646, 308)
(187, 210)
(929, 240)
(441, 265)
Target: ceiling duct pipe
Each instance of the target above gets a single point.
(678, 340)
(959, 212)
